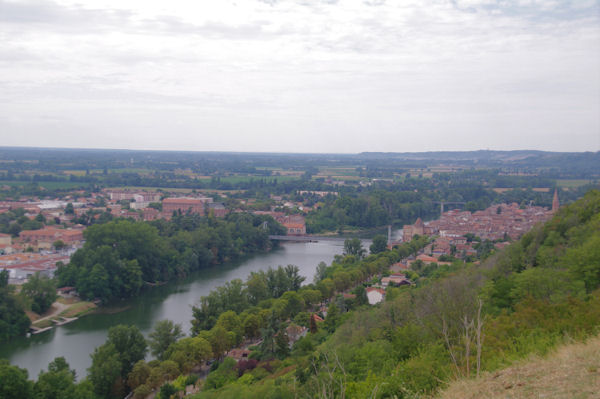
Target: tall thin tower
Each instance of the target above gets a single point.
(555, 203)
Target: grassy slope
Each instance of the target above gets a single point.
(572, 371)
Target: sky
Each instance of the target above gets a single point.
(319, 76)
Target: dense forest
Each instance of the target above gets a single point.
(120, 256)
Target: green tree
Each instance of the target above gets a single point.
(56, 383)
(353, 246)
(293, 277)
(221, 340)
(142, 392)
(58, 245)
(13, 382)
(231, 322)
(361, 295)
(164, 334)
(40, 291)
(294, 305)
(166, 391)
(257, 287)
(268, 347)
(282, 348)
(13, 320)
(332, 319)
(321, 272)
(105, 371)
(189, 352)
(130, 345)
(69, 210)
(252, 326)
(379, 244)
(138, 375)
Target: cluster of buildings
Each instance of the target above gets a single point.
(496, 223)
(21, 266)
(140, 201)
(295, 225)
(61, 234)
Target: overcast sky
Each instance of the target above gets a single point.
(301, 75)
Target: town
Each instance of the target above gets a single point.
(59, 234)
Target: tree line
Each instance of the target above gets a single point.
(120, 257)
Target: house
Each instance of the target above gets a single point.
(426, 258)
(185, 204)
(294, 224)
(398, 267)
(375, 295)
(150, 214)
(217, 209)
(120, 195)
(20, 271)
(46, 237)
(146, 197)
(238, 354)
(5, 239)
(67, 292)
(395, 280)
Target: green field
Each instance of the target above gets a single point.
(240, 179)
(51, 185)
(572, 183)
(341, 171)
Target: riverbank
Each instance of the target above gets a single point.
(75, 341)
(63, 311)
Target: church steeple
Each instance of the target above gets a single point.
(555, 203)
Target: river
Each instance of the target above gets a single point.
(75, 341)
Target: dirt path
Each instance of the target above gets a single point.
(56, 309)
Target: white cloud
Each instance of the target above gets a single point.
(301, 75)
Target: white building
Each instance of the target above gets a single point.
(375, 295)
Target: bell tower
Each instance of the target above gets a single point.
(555, 203)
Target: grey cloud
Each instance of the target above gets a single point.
(374, 3)
(52, 14)
(532, 10)
(174, 25)
(17, 54)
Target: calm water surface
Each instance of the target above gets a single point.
(75, 341)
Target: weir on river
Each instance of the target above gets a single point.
(307, 238)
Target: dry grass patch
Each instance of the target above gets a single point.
(43, 324)
(572, 371)
(78, 309)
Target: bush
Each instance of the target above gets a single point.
(244, 365)
(142, 392)
(166, 391)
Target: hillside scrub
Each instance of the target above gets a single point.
(539, 292)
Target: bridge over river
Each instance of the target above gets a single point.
(312, 238)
